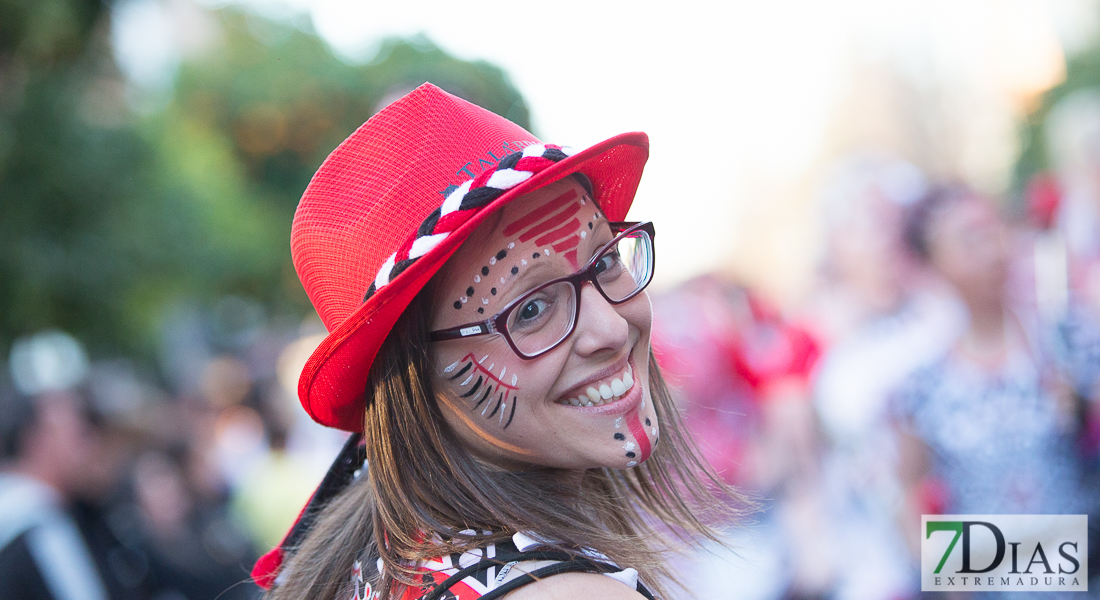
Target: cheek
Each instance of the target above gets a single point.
(485, 386)
(639, 313)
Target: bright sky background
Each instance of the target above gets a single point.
(739, 98)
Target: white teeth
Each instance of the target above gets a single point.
(617, 387)
(598, 396)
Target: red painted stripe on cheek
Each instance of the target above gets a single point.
(634, 422)
(538, 214)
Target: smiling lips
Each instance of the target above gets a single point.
(603, 392)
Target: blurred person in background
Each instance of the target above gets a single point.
(1073, 143)
(196, 550)
(1065, 207)
(177, 501)
(741, 372)
(881, 320)
(50, 448)
(102, 496)
(270, 495)
(991, 426)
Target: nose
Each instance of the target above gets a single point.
(600, 326)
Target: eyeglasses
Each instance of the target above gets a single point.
(540, 320)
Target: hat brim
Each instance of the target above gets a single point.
(333, 383)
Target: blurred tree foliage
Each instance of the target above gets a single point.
(108, 217)
(1082, 71)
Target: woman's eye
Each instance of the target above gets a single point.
(606, 262)
(532, 309)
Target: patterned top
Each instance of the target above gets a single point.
(495, 570)
(999, 441)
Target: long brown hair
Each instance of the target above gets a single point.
(423, 486)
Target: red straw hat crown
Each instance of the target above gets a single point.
(395, 200)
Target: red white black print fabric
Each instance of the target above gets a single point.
(494, 570)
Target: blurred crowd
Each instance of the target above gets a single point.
(110, 487)
(946, 361)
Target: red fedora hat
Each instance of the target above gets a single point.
(395, 200)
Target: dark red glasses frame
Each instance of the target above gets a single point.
(497, 322)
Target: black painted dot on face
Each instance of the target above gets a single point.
(535, 255)
(484, 270)
(502, 254)
(515, 270)
(493, 291)
(470, 291)
(647, 421)
(458, 304)
(480, 310)
(630, 455)
(620, 437)
(590, 224)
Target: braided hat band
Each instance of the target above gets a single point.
(464, 202)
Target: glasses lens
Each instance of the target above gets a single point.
(626, 267)
(543, 318)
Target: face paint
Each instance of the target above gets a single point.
(479, 383)
(526, 247)
(554, 225)
(548, 225)
(640, 434)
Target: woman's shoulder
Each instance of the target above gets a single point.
(576, 585)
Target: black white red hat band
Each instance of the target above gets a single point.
(464, 202)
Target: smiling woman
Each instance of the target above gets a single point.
(497, 374)
(573, 363)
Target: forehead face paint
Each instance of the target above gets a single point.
(557, 226)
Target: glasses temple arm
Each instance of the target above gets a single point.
(462, 331)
